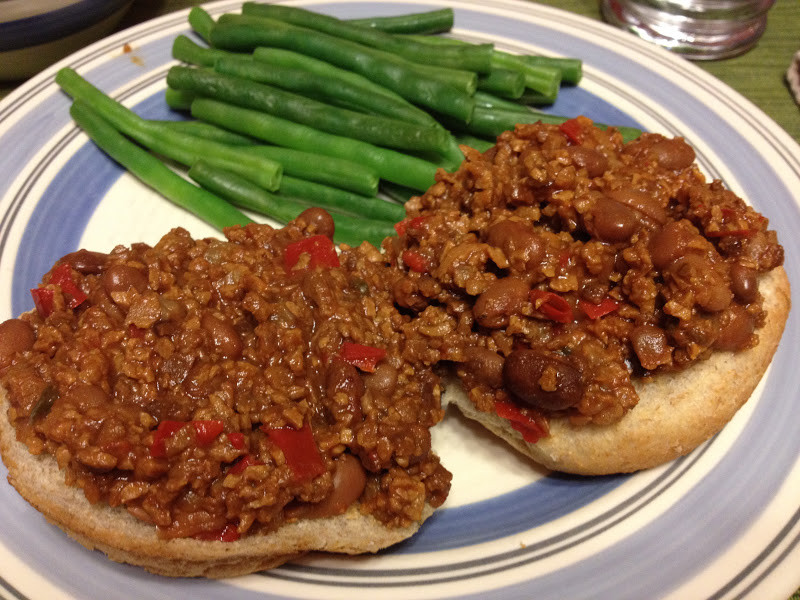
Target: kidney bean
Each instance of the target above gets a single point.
(612, 222)
(485, 365)
(672, 153)
(121, 278)
(651, 345)
(343, 377)
(711, 291)
(86, 261)
(594, 161)
(736, 329)
(669, 243)
(744, 283)
(349, 481)
(542, 380)
(499, 301)
(382, 380)
(647, 204)
(225, 338)
(318, 221)
(16, 336)
(518, 242)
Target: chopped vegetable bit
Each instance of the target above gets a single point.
(299, 449)
(531, 431)
(552, 306)
(365, 358)
(318, 248)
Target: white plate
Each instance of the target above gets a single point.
(723, 522)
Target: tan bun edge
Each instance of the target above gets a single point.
(675, 414)
(123, 538)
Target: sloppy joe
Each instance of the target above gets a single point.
(562, 264)
(218, 388)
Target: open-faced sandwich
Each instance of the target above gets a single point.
(607, 309)
(215, 407)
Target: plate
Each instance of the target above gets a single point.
(722, 522)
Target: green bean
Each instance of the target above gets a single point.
(472, 57)
(479, 144)
(187, 51)
(398, 193)
(341, 201)
(326, 170)
(571, 68)
(201, 22)
(151, 171)
(408, 79)
(293, 107)
(181, 147)
(543, 79)
(504, 82)
(209, 132)
(492, 122)
(178, 99)
(326, 85)
(243, 193)
(390, 165)
(434, 21)
(487, 100)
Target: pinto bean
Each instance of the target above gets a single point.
(16, 336)
(736, 329)
(485, 366)
(518, 242)
(612, 222)
(651, 345)
(224, 336)
(672, 153)
(349, 481)
(318, 221)
(501, 299)
(121, 278)
(594, 161)
(744, 283)
(542, 380)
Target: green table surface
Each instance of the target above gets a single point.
(758, 75)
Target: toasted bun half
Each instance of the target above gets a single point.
(126, 539)
(675, 414)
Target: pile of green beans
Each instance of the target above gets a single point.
(291, 109)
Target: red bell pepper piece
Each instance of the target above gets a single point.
(236, 439)
(365, 358)
(300, 450)
(531, 431)
(62, 277)
(229, 533)
(320, 249)
(408, 223)
(43, 301)
(552, 306)
(207, 431)
(415, 261)
(572, 129)
(164, 430)
(248, 460)
(595, 311)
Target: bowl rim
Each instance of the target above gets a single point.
(56, 24)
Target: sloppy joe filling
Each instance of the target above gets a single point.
(560, 265)
(215, 388)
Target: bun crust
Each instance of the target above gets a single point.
(126, 539)
(675, 414)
